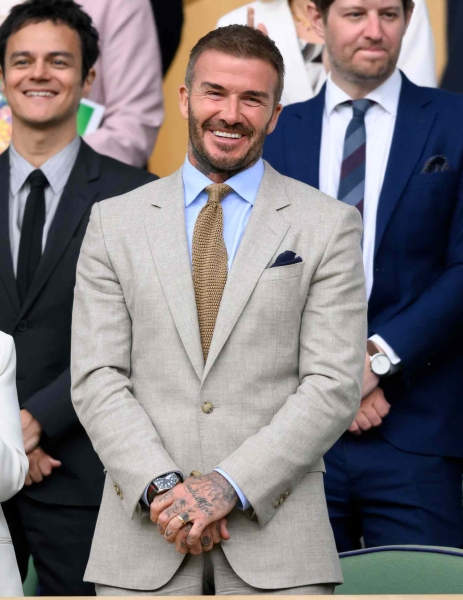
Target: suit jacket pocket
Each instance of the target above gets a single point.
(284, 272)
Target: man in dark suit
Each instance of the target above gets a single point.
(49, 180)
(395, 150)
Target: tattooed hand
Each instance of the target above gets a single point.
(211, 535)
(199, 500)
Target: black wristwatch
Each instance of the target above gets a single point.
(162, 484)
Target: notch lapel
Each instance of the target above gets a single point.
(415, 118)
(6, 260)
(263, 235)
(166, 230)
(78, 194)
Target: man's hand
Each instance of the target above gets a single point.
(212, 534)
(370, 380)
(32, 430)
(40, 466)
(251, 19)
(199, 500)
(372, 411)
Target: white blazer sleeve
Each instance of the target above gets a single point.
(13, 460)
(418, 55)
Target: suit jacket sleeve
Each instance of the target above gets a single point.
(121, 432)
(331, 361)
(130, 66)
(418, 55)
(52, 407)
(422, 331)
(13, 461)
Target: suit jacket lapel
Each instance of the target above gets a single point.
(6, 260)
(415, 118)
(165, 227)
(78, 194)
(303, 142)
(264, 233)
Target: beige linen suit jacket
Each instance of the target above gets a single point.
(283, 375)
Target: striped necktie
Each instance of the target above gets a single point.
(352, 181)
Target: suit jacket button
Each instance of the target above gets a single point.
(276, 504)
(207, 408)
(286, 494)
(195, 474)
(22, 326)
(281, 500)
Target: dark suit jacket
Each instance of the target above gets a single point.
(416, 303)
(452, 79)
(42, 327)
(169, 24)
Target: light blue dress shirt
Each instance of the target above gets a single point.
(237, 207)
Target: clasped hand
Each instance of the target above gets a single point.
(202, 504)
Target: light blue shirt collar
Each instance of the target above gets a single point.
(245, 184)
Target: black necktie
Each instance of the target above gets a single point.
(30, 246)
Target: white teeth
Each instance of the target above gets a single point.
(236, 136)
(41, 94)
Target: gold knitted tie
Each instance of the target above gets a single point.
(210, 262)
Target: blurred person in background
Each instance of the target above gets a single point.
(128, 81)
(373, 139)
(49, 180)
(169, 23)
(288, 23)
(13, 462)
(453, 75)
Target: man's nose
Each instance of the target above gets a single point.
(373, 27)
(231, 111)
(40, 70)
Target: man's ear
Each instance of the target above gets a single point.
(274, 119)
(317, 19)
(88, 82)
(184, 98)
(408, 16)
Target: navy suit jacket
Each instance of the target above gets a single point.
(416, 303)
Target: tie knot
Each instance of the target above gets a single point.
(37, 179)
(217, 192)
(361, 107)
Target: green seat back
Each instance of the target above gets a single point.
(402, 570)
(31, 582)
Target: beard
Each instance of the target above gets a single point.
(206, 162)
(356, 73)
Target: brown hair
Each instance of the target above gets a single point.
(240, 41)
(324, 5)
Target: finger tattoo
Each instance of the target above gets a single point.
(206, 541)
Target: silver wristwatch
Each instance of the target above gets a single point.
(380, 363)
(162, 484)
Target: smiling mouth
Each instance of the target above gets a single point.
(32, 94)
(224, 134)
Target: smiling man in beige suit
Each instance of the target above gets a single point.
(219, 335)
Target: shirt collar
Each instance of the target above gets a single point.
(245, 184)
(386, 95)
(56, 169)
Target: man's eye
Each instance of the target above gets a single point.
(217, 94)
(21, 61)
(59, 63)
(354, 15)
(252, 100)
(391, 15)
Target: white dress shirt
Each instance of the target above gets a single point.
(57, 170)
(379, 124)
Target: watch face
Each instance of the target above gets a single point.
(166, 482)
(380, 365)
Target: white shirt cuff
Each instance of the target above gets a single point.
(377, 339)
(243, 502)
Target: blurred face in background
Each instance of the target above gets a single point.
(363, 38)
(43, 76)
(231, 107)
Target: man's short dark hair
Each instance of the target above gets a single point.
(240, 41)
(63, 12)
(324, 5)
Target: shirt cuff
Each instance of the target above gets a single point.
(395, 360)
(145, 493)
(243, 503)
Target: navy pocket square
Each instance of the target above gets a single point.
(286, 258)
(436, 164)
